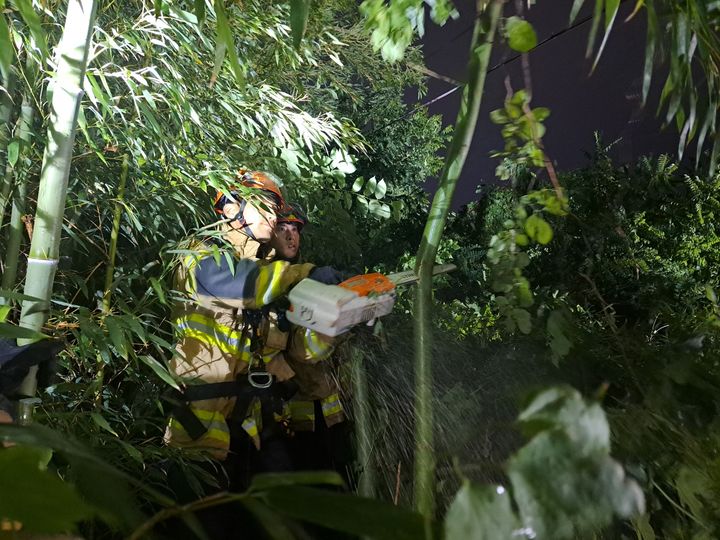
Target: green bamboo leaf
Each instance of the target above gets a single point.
(132, 451)
(117, 336)
(12, 331)
(714, 153)
(611, 10)
(4, 312)
(199, 6)
(299, 12)
(159, 370)
(13, 152)
(158, 7)
(597, 13)
(650, 41)
(577, 4)
(224, 37)
(7, 51)
(157, 287)
(688, 127)
(31, 18)
(102, 423)
(521, 35)
(709, 117)
(638, 5)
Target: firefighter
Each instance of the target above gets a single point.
(231, 365)
(321, 436)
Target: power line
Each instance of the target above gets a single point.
(553, 36)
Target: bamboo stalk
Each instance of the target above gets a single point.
(480, 49)
(17, 227)
(7, 106)
(363, 424)
(6, 116)
(72, 58)
(114, 233)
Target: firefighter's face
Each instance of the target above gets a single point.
(261, 221)
(286, 241)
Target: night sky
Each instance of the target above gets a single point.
(607, 101)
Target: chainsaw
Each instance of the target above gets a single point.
(334, 309)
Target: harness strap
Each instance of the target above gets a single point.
(241, 390)
(241, 220)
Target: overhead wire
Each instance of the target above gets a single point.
(497, 66)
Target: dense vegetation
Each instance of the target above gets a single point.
(605, 279)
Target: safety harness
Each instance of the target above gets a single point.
(256, 383)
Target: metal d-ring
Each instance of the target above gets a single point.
(260, 379)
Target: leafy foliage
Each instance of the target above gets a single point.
(395, 24)
(567, 432)
(563, 481)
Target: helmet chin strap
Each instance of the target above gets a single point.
(244, 227)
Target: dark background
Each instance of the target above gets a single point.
(608, 101)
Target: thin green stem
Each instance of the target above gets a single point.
(480, 50)
(114, 233)
(173, 511)
(363, 424)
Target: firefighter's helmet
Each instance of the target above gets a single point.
(256, 180)
(292, 213)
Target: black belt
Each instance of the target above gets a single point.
(240, 389)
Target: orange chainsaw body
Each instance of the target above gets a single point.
(369, 284)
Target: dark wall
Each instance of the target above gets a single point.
(607, 101)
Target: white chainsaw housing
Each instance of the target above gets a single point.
(333, 310)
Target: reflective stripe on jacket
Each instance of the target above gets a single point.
(302, 412)
(211, 346)
(309, 356)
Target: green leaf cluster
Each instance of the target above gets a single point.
(522, 131)
(564, 483)
(393, 24)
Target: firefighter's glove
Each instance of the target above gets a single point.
(327, 275)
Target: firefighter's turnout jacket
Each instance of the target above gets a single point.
(309, 355)
(214, 345)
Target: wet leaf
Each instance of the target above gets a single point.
(480, 513)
